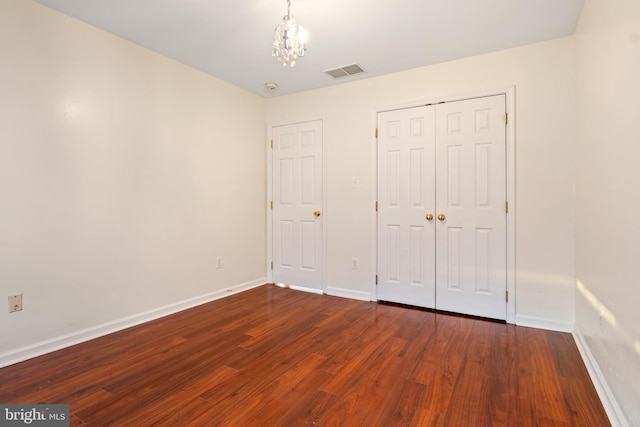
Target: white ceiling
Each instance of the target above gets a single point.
(232, 39)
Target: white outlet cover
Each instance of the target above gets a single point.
(15, 303)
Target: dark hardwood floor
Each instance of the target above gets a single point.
(279, 357)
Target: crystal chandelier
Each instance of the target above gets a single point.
(289, 40)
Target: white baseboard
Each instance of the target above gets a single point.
(542, 323)
(616, 417)
(347, 293)
(57, 343)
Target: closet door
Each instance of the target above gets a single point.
(406, 175)
(470, 207)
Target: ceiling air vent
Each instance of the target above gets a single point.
(345, 71)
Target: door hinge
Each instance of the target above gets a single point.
(506, 118)
(376, 132)
(271, 144)
(506, 297)
(272, 204)
(376, 280)
(376, 206)
(506, 207)
(272, 265)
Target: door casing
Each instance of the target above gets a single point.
(509, 93)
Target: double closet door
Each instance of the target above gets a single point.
(442, 207)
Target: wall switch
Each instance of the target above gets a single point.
(15, 303)
(219, 263)
(355, 263)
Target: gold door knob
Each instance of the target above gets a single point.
(429, 217)
(317, 213)
(441, 217)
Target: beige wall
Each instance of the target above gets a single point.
(123, 175)
(543, 76)
(608, 194)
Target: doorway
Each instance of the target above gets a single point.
(442, 206)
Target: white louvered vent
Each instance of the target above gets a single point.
(345, 71)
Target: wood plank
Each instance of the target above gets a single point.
(274, 356)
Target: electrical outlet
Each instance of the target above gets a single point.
(15, 303)
(219, 263)
(355, 263)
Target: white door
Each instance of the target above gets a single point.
(297, 205)
(406, 175)
(471, 197)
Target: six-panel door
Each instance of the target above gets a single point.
(406, 186)
(471, 251)
(297, 205)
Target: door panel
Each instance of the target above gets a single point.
(405, 196)
(471, 194)
(297, 194)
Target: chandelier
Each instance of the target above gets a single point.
(289, 40)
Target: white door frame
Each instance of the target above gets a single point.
(509, 93)
(269, 248)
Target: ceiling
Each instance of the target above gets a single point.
(231, 40)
